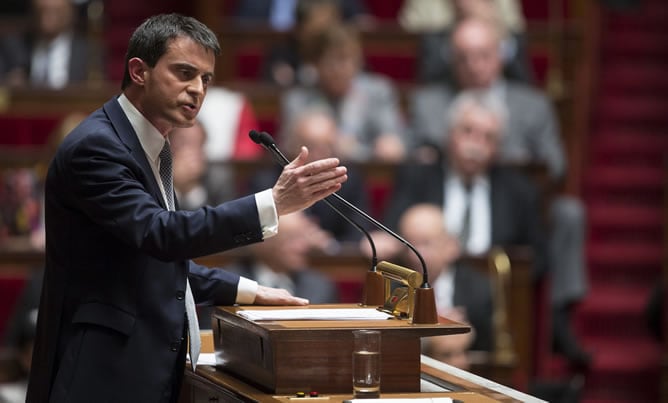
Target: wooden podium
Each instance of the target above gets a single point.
(287, 356)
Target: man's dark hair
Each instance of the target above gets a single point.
(150, 40)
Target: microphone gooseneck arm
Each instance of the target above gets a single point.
(265, 140)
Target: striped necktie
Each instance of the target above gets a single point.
(165, 172)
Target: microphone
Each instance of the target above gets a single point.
(425, 294)
(374, 289)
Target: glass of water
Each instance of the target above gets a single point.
(366, 363)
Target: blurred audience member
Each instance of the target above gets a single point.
(282, 15)
(190, 163)
(462, 294)
(437, 18)
(52, 54)
(365, 105)
(484, 204)
(316, 129)
(531, 132)
(19, 339)
(531, 135)
(290, 62)
(283, 262)
(226, 117)
(20, 206)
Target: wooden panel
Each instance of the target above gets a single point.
(293, 356)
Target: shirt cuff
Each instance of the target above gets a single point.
(246, 291)
(267, 212)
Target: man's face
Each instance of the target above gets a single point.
(288, 250)
(425, 230)
(53, 17)
(175, 87)
(319, 134)
(337, 69)
(473, 141)
(477, 62)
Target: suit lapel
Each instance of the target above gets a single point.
(128, 136)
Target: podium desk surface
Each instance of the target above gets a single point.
(386, 325)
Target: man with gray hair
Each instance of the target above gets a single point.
(484, 204)
(531, 136)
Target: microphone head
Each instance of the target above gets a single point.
(255, 136)
(266, 139)
(262, 138)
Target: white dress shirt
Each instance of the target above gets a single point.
(480, 235)
(444, 291)
(152, 142)
(50, 64)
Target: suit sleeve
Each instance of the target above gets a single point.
(107, 184)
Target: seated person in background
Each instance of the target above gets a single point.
(290, 62)
(19, 339)
(281, 15)
(226, 117)
(484, 204)
(531, 135)
(436, 20)
(190, 162)
(364, 105)
(282, 262)
(20, 205)
(316, 129)
(462, 293)
(53, 54)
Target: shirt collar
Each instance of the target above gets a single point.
(150, 138)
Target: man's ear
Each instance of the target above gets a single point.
(137, 70)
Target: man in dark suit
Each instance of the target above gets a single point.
(485, 205)
(531, 135)
(117, 285)
(53, 53)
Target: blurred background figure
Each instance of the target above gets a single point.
(282, 15)
(54, 53)
(365, 106)
(283, 262)
(19, 338)
(531, 136)
(436, 20)
(484, 204)
(290, 62)
(316, 129)
(226, 117)
(462, 294)
(190, 165)
(20, 205)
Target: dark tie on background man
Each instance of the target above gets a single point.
(465, 232)
(191, 312)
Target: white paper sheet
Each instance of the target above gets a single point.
(314, 314)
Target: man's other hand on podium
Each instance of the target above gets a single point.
(276, 296)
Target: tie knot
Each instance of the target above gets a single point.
(165, 153)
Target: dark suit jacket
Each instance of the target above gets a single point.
(473, 291)
(112, 312)
(515, 215)
(16, 52)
